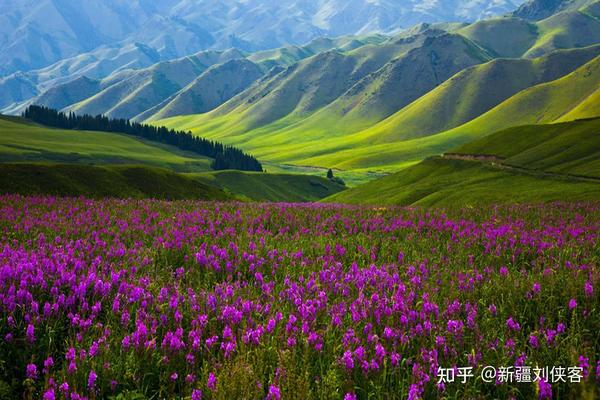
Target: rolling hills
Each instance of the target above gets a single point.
(37, 160)
(521, 164)
(412, 134)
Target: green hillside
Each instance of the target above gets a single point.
(516, 37)
(106, 181)
(211, 89)
(271, 187)
(447, 183)
(372, 150)
(23, 141)
(474, 91)
(569, 148)
(520, 164)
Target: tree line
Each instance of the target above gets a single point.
(225, 157)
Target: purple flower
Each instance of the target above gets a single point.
(348, 360)
(512, 324)
(545, 389)
(533, 341)
(32, 371)
(174, 376)
(274, 393)
(584, 363)
(196, 394)
(350, 396)
(588, 289)
(49, 394)
(572, 304)
(92, 379)
(211, 382)
(30, 333)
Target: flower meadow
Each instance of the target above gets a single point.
(135, 299)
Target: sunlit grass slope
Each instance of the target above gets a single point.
(22, 141)
(570, 147)
(447, 183)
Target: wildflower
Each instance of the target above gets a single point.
(49, 394)
(197, 394)
(588, 289)
(584, 363)
(533, 341)
(174, 376)
(211, 382)
(350, 396)
(30, 333)
(545, 389)
(274, 393)
(92, 379)
(572, 304)
(512, 324)
(348, 360)
(32, 371)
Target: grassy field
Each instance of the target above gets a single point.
(458, 183)
(23, 141)
(103, 181)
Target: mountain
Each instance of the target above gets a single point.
(130, 93)
(37, 33)
(355, 84)
(211, 89)
(44, 86)
(474, 91)
(283, 122)
(515, 37)
(97, 64)
(537, 10)
(521, 164)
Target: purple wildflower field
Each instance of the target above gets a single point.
(135, 299)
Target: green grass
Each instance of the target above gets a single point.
(23, 141)
(570, 148)
(271, 187)
(451, 183)
(107, 181)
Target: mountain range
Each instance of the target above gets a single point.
(37, 33)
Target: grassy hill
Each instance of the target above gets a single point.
(475, 91)
(103, 181)
(36, 159)
(271, 187)
(570, 147)
(211, 89)
(130, 93)
(23, 141)
(516, 37)
(521, 164)
(447, 183)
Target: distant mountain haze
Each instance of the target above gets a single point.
(37, 33)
